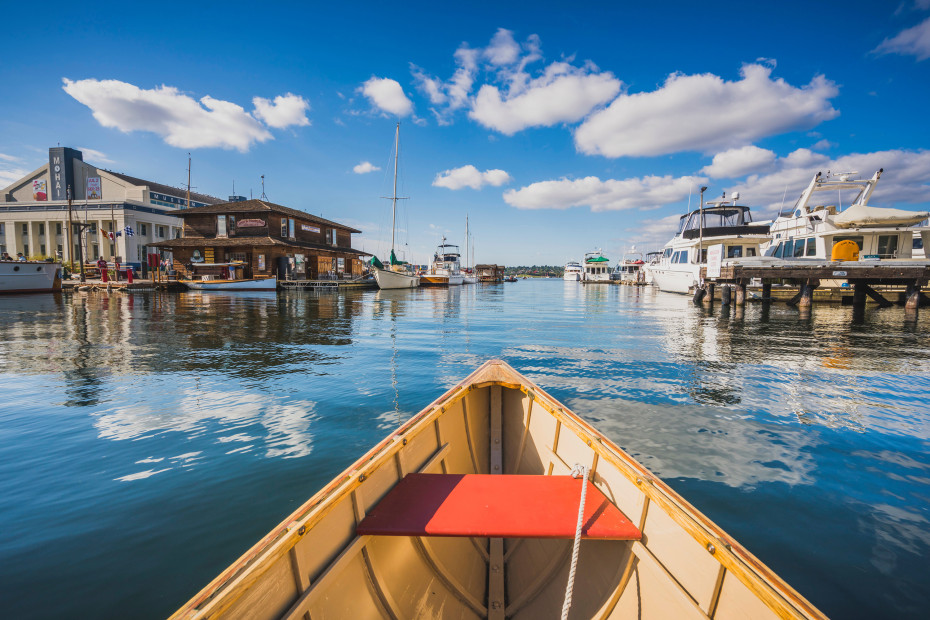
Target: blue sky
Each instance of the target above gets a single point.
(557, 127)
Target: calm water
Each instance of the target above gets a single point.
(147, 440)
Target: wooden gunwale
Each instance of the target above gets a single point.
(775, 593)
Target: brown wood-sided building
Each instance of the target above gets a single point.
(267, 237)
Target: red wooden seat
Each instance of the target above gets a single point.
(495, 506)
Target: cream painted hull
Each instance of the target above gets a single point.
(441, 280)
(495, 421)
(393, 280)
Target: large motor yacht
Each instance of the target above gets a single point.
(572, 272)
(812, 228)
(717, 222)
(596, 267)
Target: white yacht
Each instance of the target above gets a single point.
(630, 268)
(596, 267)
(718, 222)
(445, 269)
(812, 228)
(29, 276)
(572, 272)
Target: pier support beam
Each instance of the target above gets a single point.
(766, 292)
(709, 297)
(807, 293)
(699, 293)
(740, 294)
(912, 297)
(725, 296)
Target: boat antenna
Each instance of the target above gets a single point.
(264, 197)
(690, 189)
(781, 209)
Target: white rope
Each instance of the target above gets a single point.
(577, 470)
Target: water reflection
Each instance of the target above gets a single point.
(816, 426)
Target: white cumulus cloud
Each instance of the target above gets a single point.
(510, 98)
(365, 167)
(739, 162)
(284, 111)
(94, 156)
(469, 176)
(705, 113)
(387, 95)
(563, 94)
(913, 41)
(178, 118)
(607, 195)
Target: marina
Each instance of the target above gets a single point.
(802, 437)
(628, 317)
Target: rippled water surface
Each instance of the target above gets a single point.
(147, 440)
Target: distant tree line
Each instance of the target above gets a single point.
(538, 271)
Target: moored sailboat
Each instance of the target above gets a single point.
(398, 273)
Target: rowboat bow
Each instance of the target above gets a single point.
(469, 510)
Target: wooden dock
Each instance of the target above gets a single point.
(902, 280)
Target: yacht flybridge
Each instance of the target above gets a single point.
(814, 226)
(445, 269)
(716, 222)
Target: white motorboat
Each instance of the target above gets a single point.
(630, 268)
(573, 271)
(398, 274)
(811, 228)
(445, 269)
(718, 222)
(596, 267)
(29, 277)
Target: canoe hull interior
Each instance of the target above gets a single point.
(315, 562)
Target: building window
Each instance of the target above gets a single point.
(283, 226)
(220, 225)
(112, 250)
(238, 256)
(232, 224)
(41, 228)
(143, 230)
(25, 229)
(26, 249)
(161, 232)
(290, 228)
(58, 228)
(96, 251)
(61, 248)
(42, 249)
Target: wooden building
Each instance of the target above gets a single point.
(269, 238)
(490, 273)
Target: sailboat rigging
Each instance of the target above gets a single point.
(397, 273)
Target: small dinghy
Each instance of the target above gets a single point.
(496, 501)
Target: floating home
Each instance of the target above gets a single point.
(490, 273)
(269, 239)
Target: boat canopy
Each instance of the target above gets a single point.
(597, 259)
(719, 221)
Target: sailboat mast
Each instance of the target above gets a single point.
(466, 240)
(394, 197)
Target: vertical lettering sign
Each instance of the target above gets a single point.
(61, 171)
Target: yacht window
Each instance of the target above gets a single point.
(683, 257)
(769, 251)
(887, 246)
(917, 244)
(750, 251)
(857, 239)
(779, 249)
(675, 257)
(798, 248)
(667, 253)
(734, 251)
(811, 247)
